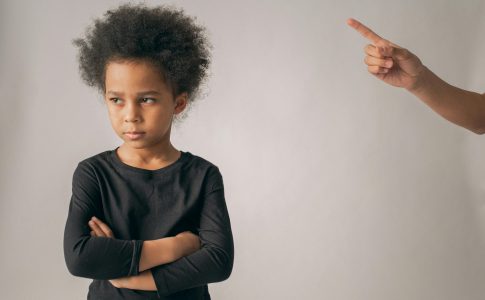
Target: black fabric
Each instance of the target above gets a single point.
(139, 204)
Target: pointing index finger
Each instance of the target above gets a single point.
(364, 30)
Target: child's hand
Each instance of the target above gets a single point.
(387, 61)
(98, 228)
(143, 281)
(188, 242)
(120, 282)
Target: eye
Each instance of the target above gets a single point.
(114, 100)
(147, 100)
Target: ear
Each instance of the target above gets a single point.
(181, 102)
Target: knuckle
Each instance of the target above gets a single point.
(373, 69)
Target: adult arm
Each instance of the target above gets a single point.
(400, 67)
(462, 107)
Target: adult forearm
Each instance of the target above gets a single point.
(464, 108)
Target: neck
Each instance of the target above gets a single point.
(153, 155)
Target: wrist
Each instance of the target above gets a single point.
(421, 81)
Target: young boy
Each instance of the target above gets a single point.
(147, 221)
(399, 67)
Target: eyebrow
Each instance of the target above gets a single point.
(152, 92)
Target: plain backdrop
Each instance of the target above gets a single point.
(338, 186)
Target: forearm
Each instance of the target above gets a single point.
(101, 258)
(211, 267)
(143, 281)
(212, 263)
(158, 252)
(154, 253)
(464, 108)
(109, 258)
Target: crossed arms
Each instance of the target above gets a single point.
(167, 265)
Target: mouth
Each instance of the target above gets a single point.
(134, 135)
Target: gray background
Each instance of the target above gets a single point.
(338, 186)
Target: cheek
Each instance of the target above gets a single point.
(159, 116)
(115, 118)
(160, 121)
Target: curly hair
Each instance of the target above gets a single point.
(162, 35)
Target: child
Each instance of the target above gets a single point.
(399, 67)
(147, 221)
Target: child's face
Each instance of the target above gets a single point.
(138, 100)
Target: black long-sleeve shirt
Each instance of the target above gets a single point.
(139, 204)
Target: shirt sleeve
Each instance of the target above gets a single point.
(214, 261)
(94, 257)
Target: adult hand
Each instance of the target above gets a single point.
(387, 61)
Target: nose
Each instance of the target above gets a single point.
(132, 112)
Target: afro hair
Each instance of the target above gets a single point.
(162, 35)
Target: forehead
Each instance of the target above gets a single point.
(123, 75)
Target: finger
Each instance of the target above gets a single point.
(115, 283)
(97, 230)
(395, 46)
(377, 70)
(389, 49)
(381, 76)
(374, 61)
(385, 50)
(372, 50)
(105, 228)
(92, 233)
(364, 30)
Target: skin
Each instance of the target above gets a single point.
(399, 67)
(138, 99)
